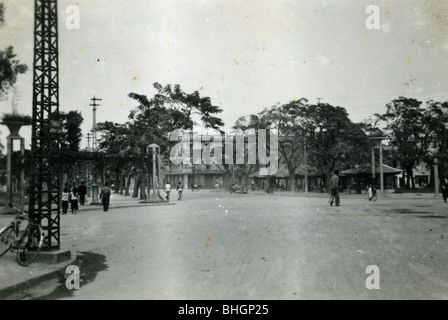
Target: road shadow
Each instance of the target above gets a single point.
(89, 264)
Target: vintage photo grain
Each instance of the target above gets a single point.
(246, 150)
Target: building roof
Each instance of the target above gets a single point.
(282, 173)
(367, 169)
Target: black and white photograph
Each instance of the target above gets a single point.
(223, 154)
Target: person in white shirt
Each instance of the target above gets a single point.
(74, 200)
(168, 191)
(65, 194)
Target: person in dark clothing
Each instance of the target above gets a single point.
(105, 196)
(180, 190)
(334, 186)
(82, 193)
(444, 185)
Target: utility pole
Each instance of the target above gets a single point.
(88, 141)
(44, 196)
(94, 104)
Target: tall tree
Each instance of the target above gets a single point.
(9, 69)
(281, 120)
(9, 66)
(70, 141)
(169, 109)
(333, 140)
(71, 130)
(410, 133)
(115, 141)
(436, 119)
(2, 14)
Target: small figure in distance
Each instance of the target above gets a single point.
(167, 191)
(65, 197)
(444, 186)
(370, 191)
(334, 185)
(180, 190)
(82, 193)
(105, 196)
(74, 200)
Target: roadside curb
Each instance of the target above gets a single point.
(347, 195)
(8, 293)
(136, 205)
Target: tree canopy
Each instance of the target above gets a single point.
(331, 139)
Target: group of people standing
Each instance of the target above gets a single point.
(71, 195)
(76, 196)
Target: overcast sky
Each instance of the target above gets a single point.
(244, 54)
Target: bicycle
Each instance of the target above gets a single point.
(26, 244)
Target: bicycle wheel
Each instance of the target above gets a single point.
(29, 245)
(374, 198)
(6, 238)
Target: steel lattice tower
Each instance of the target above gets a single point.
(44, 204)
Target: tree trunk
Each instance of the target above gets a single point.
(327, 178)
(128, 184)
(270, 184)
(291, 182)
(143, 189)
(410, 178)
(136, 187)
(266, 185)
(403, 178)
(122, 182)
(432, 179)
(117, 182)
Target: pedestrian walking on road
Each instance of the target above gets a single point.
(167, 191)
(74, 200)
(105, 196)
(444, 185)
(65, 196)
(180, 190)
(334, 186)
(82, 193)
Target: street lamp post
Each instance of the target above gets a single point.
(377, 145)
(153, 148)
(305, 156)
(434, 150)
(436, 177)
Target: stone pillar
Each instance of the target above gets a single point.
(436, 178)
(95, 199)
(185, 181)
(9, 148)
(381, 170)
(22, 173)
